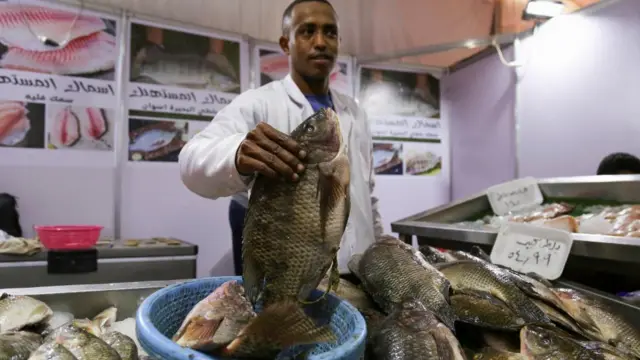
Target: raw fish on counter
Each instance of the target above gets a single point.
(623, 220)
(122, 344)
(18, 312)
(52, 351)
(83, 345)
(18, 345)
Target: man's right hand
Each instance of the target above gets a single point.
(267, 151)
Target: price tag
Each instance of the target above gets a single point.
(529, 248)
(514, 195)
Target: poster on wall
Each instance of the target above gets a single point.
(178, 81)
(57, 77)
(404, 112)
(272, 64)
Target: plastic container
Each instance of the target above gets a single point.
(68, 237)
(160, 316)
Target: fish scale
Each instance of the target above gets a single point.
(393, 272)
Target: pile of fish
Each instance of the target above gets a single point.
(31, 330)
(623, 220)
(428, 304)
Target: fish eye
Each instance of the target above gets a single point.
(310, 128)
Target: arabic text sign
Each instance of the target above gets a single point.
(514, 195)
(45, 88)
(405, 127)
(147, 97)
(529, 248)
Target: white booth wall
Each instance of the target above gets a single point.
(578, 92)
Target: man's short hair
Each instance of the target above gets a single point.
(612, 164)
(286, 16)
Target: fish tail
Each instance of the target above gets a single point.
(447, 315)
(277, 327)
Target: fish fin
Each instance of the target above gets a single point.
(277, 327)
(447, 345)
(354, 265)
(334, 282)
(333, 185)
(197, 332)
(252, 275)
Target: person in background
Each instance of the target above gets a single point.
(249, 136)
(619, 164)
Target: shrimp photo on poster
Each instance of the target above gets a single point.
(79, 127)
(22, 124)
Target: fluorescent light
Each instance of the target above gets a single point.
(543, 9)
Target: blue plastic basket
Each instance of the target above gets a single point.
(161, 314)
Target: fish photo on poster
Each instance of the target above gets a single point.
(274, 65)
(157, 140)
(22, 124)
(390, 92)
(78, 44)
(423, 159)
(168, 57)
(79, 127)
(387, 158)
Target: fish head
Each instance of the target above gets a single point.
(320, 136)
(579, 306)
(537, 340)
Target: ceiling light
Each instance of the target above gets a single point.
(542, 9)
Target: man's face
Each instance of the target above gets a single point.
(313, 40)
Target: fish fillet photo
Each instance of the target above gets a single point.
(80, 128)
(421, 160)
(387, 158)
(387, 92)
(274, 65)
(78, 44)
(156, 140)
(174, 58)
(21, 124)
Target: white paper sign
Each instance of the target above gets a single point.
(514, 195)
(529, 248)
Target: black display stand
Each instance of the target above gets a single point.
(72, 261)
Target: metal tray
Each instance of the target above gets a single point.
(86, 301)
(599, 254)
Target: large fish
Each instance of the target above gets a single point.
(89, 54)
(482, 309)
(188, 70)
(51, 350)
(17, 312)
(393, 272)
(216, 320)
(291, 236)
(412, 332)
(600, 320)
(18, 345)
(83, 345)
(539, 343)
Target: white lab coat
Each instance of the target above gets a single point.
(207, 161)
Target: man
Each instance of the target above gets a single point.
(619, 164)
(249, 135)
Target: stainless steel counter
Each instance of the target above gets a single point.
(85, 301)
(600, 255)
(150, 260)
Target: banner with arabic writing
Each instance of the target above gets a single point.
(57, 77)
(404, 112)
(178, 81)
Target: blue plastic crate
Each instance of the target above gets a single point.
(162, 313)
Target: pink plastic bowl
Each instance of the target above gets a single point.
(68, 237)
